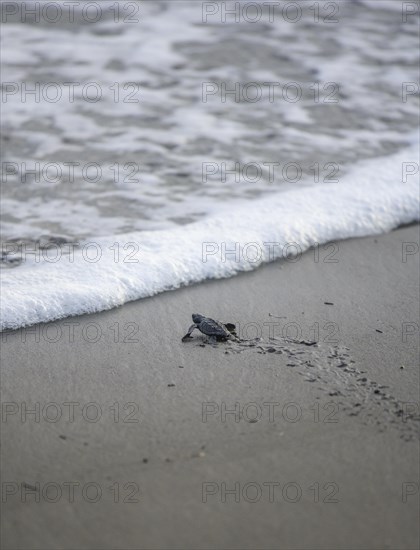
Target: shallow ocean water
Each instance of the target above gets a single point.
(148, 154)
(190, 129)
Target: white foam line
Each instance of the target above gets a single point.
(371, 199)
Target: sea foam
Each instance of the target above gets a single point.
(374, 197)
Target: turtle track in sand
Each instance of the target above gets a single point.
(333, 371)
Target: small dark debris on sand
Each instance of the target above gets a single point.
(328, 303)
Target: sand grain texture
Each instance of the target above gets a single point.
(369, 453)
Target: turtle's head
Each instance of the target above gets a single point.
(197, 318)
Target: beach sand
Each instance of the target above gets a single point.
(322, 451)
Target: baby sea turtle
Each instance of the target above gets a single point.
(215, 329)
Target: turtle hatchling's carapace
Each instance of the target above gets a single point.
(210, 327)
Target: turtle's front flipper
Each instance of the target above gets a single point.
(188, 335)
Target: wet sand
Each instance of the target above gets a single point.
(303, 434)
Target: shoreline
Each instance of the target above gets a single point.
(138, 265)
(333, 421)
